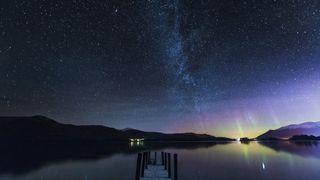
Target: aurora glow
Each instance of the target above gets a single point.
(293, 104)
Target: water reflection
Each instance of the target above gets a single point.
(22, 158)
(301, 148)
(256, 160)
(136, 144)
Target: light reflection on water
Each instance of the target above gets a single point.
(269, 160)
(138, 143)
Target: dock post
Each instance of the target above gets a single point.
(155, 158)
(175, 166)
(143, 163)
(162, 159)
(138, 167)
(146, 159)
(149, 156)
(169, 165)
(165, 161)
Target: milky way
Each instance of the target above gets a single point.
(231, 68)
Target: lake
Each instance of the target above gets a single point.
(196, 161)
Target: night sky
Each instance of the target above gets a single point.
(227, 68)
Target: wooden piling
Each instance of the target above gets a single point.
(143, 164)
(175, 166)
(155, 158)
(169, 165)
(165, 161)
(162, 158)
(146, 160)
(138, 167)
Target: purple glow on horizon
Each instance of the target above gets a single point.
(251, 116)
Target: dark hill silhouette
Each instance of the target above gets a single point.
(307, 128)
(40, 128)
(43, 129)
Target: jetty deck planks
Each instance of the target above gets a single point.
(155, 172)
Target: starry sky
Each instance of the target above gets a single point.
(227, 68)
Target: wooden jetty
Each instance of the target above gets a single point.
(150, 168)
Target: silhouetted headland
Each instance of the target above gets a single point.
(43, 129)
(286, 132)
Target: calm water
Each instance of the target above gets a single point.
(273, 160)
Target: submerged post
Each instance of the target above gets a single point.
(162, 159)
(165, 161)
(146, 160)
(155, 158)
(169, 165)
(175, 166)
(143, 164)
(138, 167)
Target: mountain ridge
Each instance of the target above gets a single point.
(286, 132)
(41, 128)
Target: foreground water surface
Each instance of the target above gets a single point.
(196, 161)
